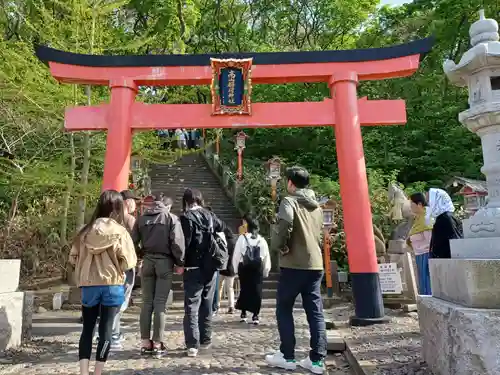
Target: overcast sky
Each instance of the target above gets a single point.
(394, 2)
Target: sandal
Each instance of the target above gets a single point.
(147, 350)
(159, 352)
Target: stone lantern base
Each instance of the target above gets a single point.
(460, 323)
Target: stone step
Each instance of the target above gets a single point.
(266, 294)
(177, 285)
(179, 295)
(192, 171)
(178, 305)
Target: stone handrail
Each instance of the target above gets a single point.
(223, 174)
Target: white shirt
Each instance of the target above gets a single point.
(180, 134)
(241, 247)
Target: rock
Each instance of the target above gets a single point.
(57, 301)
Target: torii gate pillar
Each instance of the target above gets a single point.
(119, 139)
(356, 205)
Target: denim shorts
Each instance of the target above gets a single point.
(106, 295)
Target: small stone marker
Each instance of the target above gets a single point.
(335, 342)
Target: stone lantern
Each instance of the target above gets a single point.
(479, 70)
(460, 321)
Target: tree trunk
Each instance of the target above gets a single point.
(69, 191)
(84, 179)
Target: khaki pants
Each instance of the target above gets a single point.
(156, 282)
(227, 283)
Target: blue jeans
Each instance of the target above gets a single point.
(307, 283)
(106, 295)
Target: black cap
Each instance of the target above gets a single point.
(129, 194)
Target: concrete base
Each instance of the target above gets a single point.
(468, 282)
(9, 271)
(11, 319)
(481, 227)
(458, 340)
(476, 248)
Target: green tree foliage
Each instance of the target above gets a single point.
(41, 185)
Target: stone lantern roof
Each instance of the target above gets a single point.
(485, 52)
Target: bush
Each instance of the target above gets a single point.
(254, 196)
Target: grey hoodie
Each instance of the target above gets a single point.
(298, 233)
(158, 231)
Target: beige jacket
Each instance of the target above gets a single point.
(103, 255)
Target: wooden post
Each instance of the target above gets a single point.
(240, 165)
(328, 268)
(273, 190)
(240, 146)
(328, 212)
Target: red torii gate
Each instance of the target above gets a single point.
(342, 70)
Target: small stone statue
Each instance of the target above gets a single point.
(400, 211)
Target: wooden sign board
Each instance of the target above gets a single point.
(231, 86)
(390, 278)
(408, 292)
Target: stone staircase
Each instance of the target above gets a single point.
(193, 171)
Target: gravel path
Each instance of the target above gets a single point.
(238, 348)
(387, 349)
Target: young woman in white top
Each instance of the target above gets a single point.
(252, 261)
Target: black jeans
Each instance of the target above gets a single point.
(199, 289)
(307, 283)
(90, 314)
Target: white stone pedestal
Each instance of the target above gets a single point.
(12, 302)
(11, 319)
(458, 340)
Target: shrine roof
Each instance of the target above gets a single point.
(418, 47)
(476, 185)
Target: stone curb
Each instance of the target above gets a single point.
(358, 367)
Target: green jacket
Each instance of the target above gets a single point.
(297, 235)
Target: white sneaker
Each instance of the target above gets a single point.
(116, 345)
(192, 352)
(277, 360)
(315, 367)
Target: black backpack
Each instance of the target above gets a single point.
(252, 258)
(218, 254)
